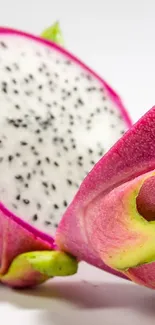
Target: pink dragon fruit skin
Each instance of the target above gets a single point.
(108, 221)
(16, 235)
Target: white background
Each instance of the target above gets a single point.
(117, 39)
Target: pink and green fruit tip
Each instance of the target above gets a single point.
(111, 220)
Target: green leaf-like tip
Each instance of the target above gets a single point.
(52, 263)
(53, 33)
(48, 263)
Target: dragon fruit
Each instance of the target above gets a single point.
(57, 118)
(111, 220)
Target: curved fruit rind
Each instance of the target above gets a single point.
(126, 239)
(37, 267)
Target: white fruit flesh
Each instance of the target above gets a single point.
(56, 121)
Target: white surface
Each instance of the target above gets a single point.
(117, 38)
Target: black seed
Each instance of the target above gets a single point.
(47, 193)
(80, 163)
(52, 116)
(65, 148)
(14, 205)
(65, 203)
(47, 223)
(25, 163)
(92, 162)
(63, 108)
(26, 185)
(16, 125)
(75, 88)
(35, 217)
(29, 176)
(18, 197)
(111, 111)
(26, 201)
(28, 93)
(105, 108)
(55, 139)
(53, 187)
(23, 143)
(98, 110)
(74, 146)
(19, 177)
(38, 206)
(37, 118)
(45, 184)
(56, 164)
(68, 62)
(37, 131)
(61, 140)
(18, 154)
(8, 68)
(16, 91)
(48, 105)
(69, 181)
(69, 131)
(3, 45)
(4, 89)
(80, 157)
(71, 123)
(47, 159)
(31, 76)
(42, 173)
(40, 87)
(90, 151)
(17, 106)
(26, 80)
(1, 159)
(56, 206)
(40, 140)
(38, 163)
(40, 99)
(55, 103)
(122, 132)
(24, 126)
(10, 158)
(56, 225)
(14, 81)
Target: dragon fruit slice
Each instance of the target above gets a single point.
(57, 118)
(111, 220)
